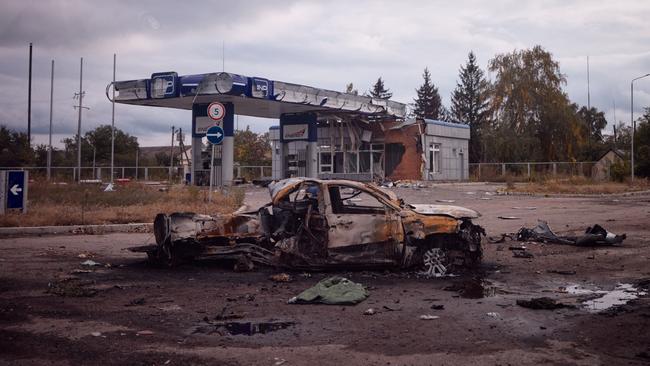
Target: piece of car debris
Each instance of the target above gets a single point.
(429, 317)
(446, 201)
(437, 307)
(525, 208)
(281, 277)
(508, 217)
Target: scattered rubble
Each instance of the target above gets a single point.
(71, 287)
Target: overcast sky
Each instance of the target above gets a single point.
(325, 44)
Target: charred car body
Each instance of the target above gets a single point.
(320, 224)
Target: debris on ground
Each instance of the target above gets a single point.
(243, 328)
(522, 254)
(96, 334)
(281, 277)
(529, 208)
(509, 217)
(562, 272)
(90, 263)
(370, 311)
(429, 317)
(594, 236)
(71, 287)
(136, 302)
(446, 201)
(438, 307)
(493, 315)
(543, 303)
(332, 291)
(144, 332)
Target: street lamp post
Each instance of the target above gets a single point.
(632, 122)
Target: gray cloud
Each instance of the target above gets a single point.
(323, 44)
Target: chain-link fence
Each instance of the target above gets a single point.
(143, 173)
(528, 170)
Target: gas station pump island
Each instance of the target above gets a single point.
(303, 111)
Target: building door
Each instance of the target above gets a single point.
(461, 156)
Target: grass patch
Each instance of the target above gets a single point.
(74, 204)
(578, 185)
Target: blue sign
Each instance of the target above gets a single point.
(15, 189)
(215, 135)
(163, 85)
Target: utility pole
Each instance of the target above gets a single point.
(49, 146)
(171, 157)
(589, 106)
(80, 107)
(113, 121)
(632, 122)
(137, 155)
(29, 100)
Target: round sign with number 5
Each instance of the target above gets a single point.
(216, 111)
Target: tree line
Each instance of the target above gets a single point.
(15, 151)
(523, 114)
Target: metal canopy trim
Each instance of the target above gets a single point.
(253, 96)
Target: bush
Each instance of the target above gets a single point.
(618, 172)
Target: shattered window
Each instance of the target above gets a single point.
(354, 201)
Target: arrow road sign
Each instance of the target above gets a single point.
(15, 190)
(215, 135)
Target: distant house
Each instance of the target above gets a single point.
(602, 169)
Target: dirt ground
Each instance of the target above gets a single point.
(55, 311)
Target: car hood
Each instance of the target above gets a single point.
(453, 211)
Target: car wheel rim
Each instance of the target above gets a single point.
(435, 262)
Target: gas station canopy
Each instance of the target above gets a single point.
(253, 96)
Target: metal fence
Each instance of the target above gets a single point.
(145, 173)
(529, 170)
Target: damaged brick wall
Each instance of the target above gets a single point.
(404, 145)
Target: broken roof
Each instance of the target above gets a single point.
(253, 96)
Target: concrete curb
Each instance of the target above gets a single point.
(575, 195)
(75, 229)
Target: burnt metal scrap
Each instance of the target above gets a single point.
(319, 224)
(594, 236)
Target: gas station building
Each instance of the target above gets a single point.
(321, 133)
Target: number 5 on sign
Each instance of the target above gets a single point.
(216, 111)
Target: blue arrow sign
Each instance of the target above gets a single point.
(215, 135)
(15, 189)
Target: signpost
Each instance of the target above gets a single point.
(215, 136)
(13, 190)
(216, 111)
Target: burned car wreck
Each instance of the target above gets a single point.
(321, 224)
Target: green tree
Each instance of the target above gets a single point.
(642, 144)
(529, 107)
(14, 148)
(252, 148)
(470, 105)
(379, 90)
(428, 103)
(99, 139)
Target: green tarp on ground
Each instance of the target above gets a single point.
(333, 291)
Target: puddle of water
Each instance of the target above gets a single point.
(603, 300)
(619, 296)
(243, 328)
